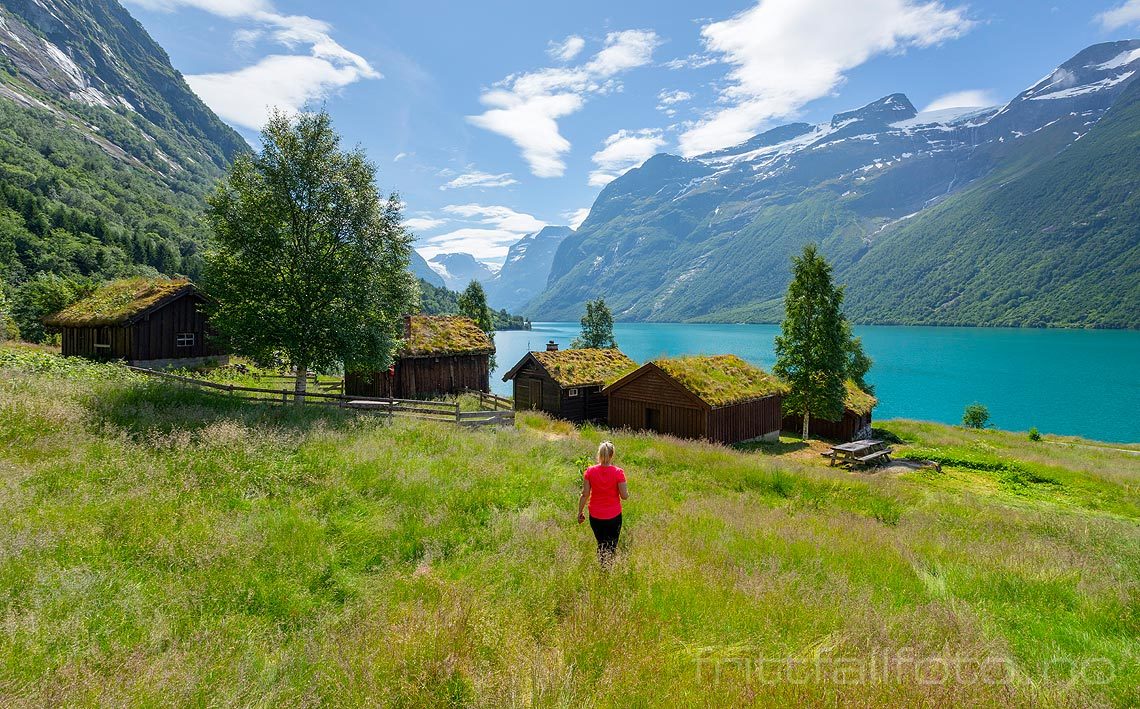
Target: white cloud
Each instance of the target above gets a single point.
(693, 61)
(400, 156)
(668, 98)
(970, 98)
(476, 178)
(488, 233)
(285, 81)
(483, 244)
(624, 150)
(575, 217)
(567, 49)
(424, 223)
(525, 108)
(1123, 15)
(501, 217)
(785, 53)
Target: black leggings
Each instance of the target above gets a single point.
(606, 531)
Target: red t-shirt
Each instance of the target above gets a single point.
(605, 503)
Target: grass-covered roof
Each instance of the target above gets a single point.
(585, 367)
(116, 302)
(858, 400)
(441, 335)
(721, 380)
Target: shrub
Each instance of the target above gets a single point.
(976, 416)
(1034, 434)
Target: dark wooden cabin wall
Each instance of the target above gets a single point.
(841, 430)
(424, 377)
(745, 421)
(156, 334)
(680, 421)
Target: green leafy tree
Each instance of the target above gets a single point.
(976, 416)
(43, 295)
(813, 349)
(308, 265)
(473, 303)
(597, 327)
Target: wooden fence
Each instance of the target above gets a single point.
(443, 411)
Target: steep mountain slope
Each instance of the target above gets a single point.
(458, 270)
(710, 238)
(423, 271)
(1056, 246)
(105, 152)
(526, 269)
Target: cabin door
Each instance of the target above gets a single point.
(653, 419)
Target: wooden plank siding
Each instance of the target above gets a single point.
(845, 429)
(536, 390)
(745, 421)
(651, 400)
(423, 377)
(152, 336)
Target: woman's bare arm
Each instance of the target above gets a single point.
(623, 491)
(583, 499)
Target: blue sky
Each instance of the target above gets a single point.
(494, 118)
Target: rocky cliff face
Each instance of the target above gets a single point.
(526, 268)
(710, 237)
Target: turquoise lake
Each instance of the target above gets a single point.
(1070, 382)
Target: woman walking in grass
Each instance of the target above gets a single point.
(604, 486)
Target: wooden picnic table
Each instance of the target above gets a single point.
(864, 452)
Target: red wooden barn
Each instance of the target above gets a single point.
(149, 322)
(440, 355)
(720, 398)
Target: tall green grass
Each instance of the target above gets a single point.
(162, 545)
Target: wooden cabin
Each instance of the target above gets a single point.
(567, 384)
(853, 425)
(721, 399)
(149, 322)
(440, 355)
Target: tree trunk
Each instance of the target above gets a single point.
(299, 387)
(807, 425)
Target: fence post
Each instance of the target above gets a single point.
(457, 412)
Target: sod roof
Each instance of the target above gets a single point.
(858, 400)
(442, 335)
(585, 367)
(117, 302)
(721, 380)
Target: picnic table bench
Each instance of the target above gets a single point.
(865, 452)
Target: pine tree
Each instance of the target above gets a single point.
(597, 327)
(307, 263)
(814, 346)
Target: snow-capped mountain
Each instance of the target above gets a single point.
(710, 237)
(458, 270)
(526, 268)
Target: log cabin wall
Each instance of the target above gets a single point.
(177, 330)
(155, 336)
(650, 402)
(745, 421)
(844, 429)
(423, 377)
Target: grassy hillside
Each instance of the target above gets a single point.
(165, 546)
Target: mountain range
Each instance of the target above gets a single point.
(1022, 214)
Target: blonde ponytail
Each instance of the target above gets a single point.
(605, 453)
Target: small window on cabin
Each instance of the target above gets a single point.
(184, 339)
(573, 392)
